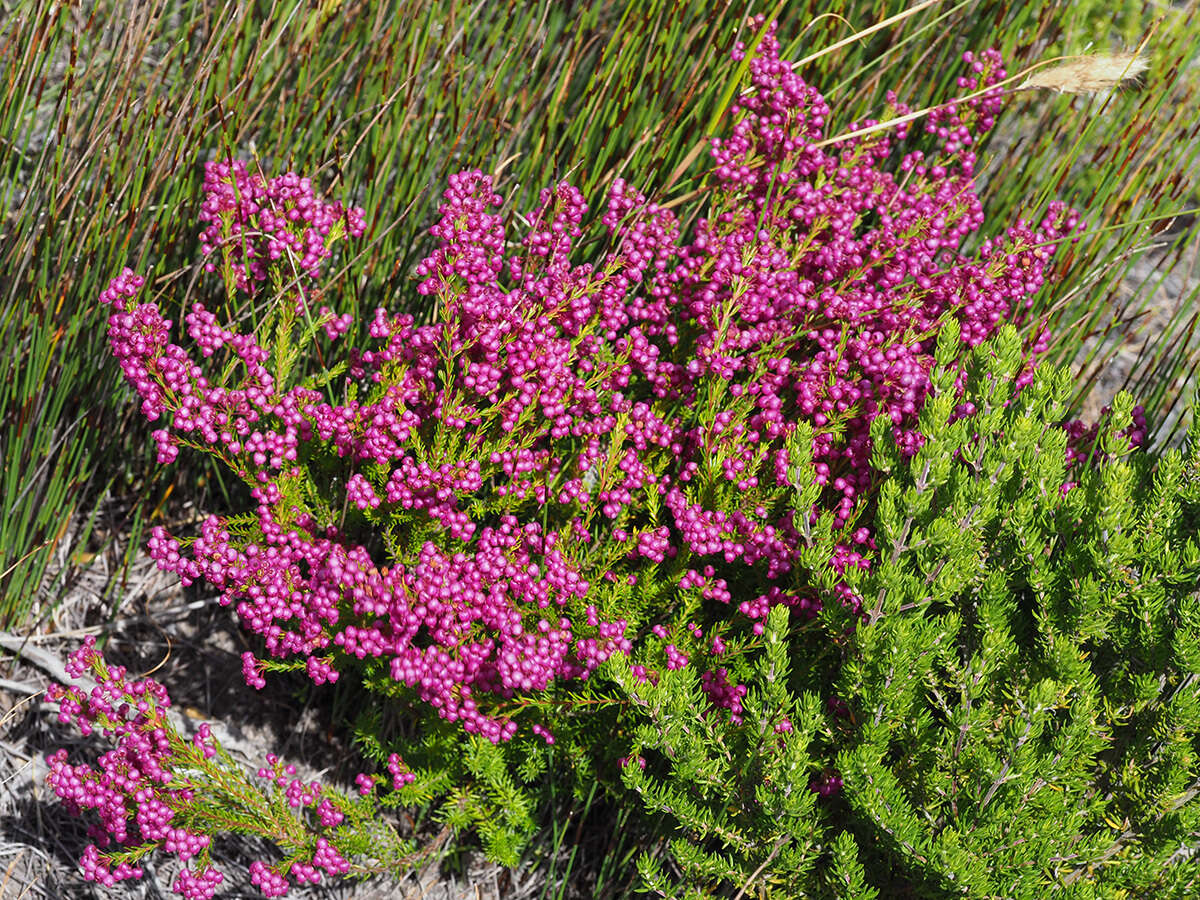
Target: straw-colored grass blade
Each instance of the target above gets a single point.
(1088, 74)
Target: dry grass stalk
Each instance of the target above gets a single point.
(1088, 74)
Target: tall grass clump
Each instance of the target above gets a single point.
(765, 521)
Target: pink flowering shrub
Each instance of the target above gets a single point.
(595, 459)
(157, 791)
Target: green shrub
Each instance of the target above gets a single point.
(1018, 717)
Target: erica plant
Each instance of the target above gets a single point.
(157, 791)
(581, 469)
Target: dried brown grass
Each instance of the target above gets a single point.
(1088, 74)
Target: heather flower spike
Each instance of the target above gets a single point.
(157, 791)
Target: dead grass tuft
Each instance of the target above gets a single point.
(1088, 74)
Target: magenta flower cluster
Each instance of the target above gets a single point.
(152, 781)
(134, 791)
(515, 475)
(259, 222)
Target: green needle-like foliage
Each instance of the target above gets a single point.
(1018, 712)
